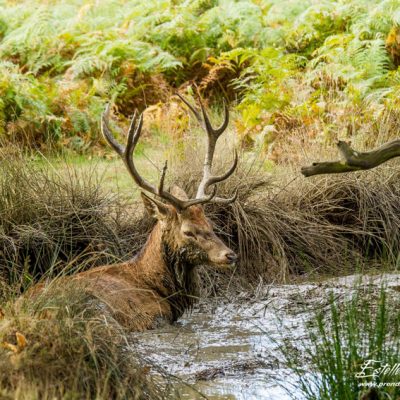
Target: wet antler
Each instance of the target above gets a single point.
(212, 137)
(353, 160)
(126, 153)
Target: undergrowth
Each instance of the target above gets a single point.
(62, 221)
(62, 346)
(322, 66)
(352, 348)
(282, 225)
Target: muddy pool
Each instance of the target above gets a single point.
(229, 348)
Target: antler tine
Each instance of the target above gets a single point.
(215, 132)
(205, 121)
(161, 184)
(228, 200)
(133, 137)
(134, 132)
(192, 109)
(105, 129)
(219, 178)
(205, 199)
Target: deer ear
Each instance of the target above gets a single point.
(154, 207)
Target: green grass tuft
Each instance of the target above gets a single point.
(342, 339)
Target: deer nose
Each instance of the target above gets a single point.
(231, 257)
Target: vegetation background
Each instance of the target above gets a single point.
(295, 71)
(298, 75)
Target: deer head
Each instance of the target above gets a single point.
(186, 231)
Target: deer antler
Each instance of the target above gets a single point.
(212, 137)
(126, 153)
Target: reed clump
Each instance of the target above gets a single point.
(63, 346)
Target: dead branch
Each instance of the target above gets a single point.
(353, 160)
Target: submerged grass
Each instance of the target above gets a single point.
(353, 349)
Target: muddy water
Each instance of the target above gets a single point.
(228, 349)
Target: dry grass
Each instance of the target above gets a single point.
(279, 225)
(52, 222)
(284, 224)
(63, 347)
(328, 224)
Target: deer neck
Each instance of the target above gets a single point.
(168, 270)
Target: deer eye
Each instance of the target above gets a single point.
(189, 234)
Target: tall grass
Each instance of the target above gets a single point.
(62, 346)
(53, 221)
(346, 342)
(60, 221)
(283, 225)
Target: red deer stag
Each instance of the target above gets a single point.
(160, 283)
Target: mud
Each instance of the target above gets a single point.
(229, 348)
